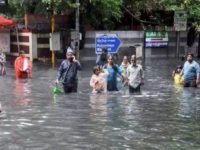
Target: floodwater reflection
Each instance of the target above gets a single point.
(98, 103)
(22, 92)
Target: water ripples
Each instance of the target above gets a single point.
(163, 117)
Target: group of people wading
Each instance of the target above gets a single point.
(105, 73)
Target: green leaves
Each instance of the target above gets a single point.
(191, 6)
(101, 13)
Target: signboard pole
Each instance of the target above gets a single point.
(77, 41)
(17, 35)
(180, 24)
(144, 48)
(177, 44)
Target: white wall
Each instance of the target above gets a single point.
(5, 41)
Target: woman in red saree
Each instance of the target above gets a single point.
(23, 66)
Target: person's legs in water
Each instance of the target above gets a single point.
(67, 89)
(191, 83)
(71, 88)
(186, 84)
(134, 90)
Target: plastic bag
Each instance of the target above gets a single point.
(57, 90)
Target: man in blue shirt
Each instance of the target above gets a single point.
(191, 72)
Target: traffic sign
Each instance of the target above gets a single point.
(109, 41)
(180, 20)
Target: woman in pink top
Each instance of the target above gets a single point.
(98, 81)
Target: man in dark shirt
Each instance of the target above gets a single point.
(67, 72)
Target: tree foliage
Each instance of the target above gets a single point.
(191, 6)
(103, 13)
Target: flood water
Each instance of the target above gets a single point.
(163, 117)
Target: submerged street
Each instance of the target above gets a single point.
(163, 117)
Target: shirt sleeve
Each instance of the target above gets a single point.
(78, 65)
(119, 70)
(197, 68)
(127, 72)
(60, 72)
(182, 71)
(142, 72)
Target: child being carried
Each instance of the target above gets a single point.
(98, 80)
(178, 78)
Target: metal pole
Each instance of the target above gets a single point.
(144, 46)
(52, 31)
(17, 35)
(77, 42)
(177, 44)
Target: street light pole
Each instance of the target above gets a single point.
(77, 42)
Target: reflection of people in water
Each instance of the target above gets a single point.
(187, 101)
(104, 105)
(22, 91)
(98, 104)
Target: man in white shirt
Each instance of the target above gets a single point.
(135, 75)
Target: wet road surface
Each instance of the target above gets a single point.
(163, 117)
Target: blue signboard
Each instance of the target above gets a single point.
(109, 41)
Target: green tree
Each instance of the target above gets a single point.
(101, 13)
(191, 6)
(98, 13)
(15, 9)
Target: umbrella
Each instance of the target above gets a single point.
(7, 22)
